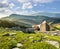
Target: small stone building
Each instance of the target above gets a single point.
(44, 26)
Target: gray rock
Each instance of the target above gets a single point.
(16, 48)
(30, 37)
(19, 45)
(11, 34)
(54, 34)
(55, 43)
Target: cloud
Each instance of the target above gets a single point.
(36, 1)
(3, 5)
(27, 6)
(24, 12)
(6, 11)
(11, 5)
(22, 1)
(17, 8)
(2, 10)
(35, 4)
(4, 1)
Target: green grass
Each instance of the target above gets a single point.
(36, 42)
(57, 27)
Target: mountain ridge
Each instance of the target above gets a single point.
(29, 20)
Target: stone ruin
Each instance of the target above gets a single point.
(44, 26)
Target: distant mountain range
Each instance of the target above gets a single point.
(29, 20)
(57, 15)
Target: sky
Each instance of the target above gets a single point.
(26, 7)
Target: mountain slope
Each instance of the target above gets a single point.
(28, 21)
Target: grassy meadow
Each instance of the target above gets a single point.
(10, 38)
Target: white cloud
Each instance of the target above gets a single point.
(17, 8)
(35, 4)
(11, 5)
(8, 11)
(36, 1)
(27, 6)
(24, 12)
(4, 1)
(1, 9)
(22, 1)
(6, 5)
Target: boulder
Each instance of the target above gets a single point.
(16, 48)
(54, 34)
(54, 43)
(12, 34)
(19, 45)
(30, 37)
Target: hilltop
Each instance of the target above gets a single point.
(29, 20)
